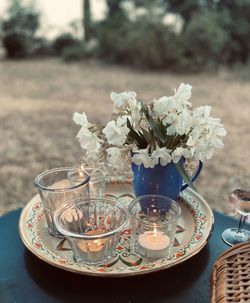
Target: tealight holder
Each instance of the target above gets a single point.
(58, 185)
(92, 227)
(153, 227)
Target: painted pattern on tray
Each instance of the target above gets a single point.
(124, 259)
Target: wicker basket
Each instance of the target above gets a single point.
(230, 279)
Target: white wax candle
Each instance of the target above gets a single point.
(92, 250)
(92, 245)
(153, 244)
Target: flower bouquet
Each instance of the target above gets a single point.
(162, 134)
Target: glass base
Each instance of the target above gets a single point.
(55, 233)
(231, 236)
(91, 262)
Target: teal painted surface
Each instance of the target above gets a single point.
(26, 279)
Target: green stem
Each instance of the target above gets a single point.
(185, 176)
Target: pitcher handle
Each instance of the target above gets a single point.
(196, 174)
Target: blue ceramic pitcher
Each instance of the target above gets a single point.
(160, 180)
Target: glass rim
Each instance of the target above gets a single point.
(58, 169)
(83, 200)
(137, 201)
(94, 179)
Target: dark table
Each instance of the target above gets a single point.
(24, 278)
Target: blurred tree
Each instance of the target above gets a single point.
(19, 29)
(63, 41)
(153, 45)
(238, 27)
(185, 8)
(151, 4)
(211, 32)
(87, 23)
(112, 32)
(154, 9)
(205, 40)
(144, 41)
(114, 7)
(234, 21)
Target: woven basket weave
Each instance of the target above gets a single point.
(230, 279)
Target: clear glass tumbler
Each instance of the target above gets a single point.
(92, 226)
(97, 181)
(58, 185)
(153, 219)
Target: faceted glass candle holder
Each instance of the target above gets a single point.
(154, 220)
(92, 227)
(58, 185)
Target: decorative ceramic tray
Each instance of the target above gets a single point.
(193, 231)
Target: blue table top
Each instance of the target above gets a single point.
(26, 279)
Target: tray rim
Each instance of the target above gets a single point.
(117, 274)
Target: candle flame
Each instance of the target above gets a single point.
(155, 231)
(98, 244)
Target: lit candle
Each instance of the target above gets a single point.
(153, 244)
(92, 245)
(92, 250)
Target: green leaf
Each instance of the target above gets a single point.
(185, 176)
(142, 143)
(158, 134)
(147, 135)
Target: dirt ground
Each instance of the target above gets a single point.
(38, 98)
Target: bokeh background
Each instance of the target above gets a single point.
(62, 56)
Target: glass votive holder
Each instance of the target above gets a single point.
(58, 185)
(97, 181)
(92, 227)
(154, 226)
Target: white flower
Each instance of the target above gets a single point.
(135, 109)
(171, 130)
(183, 94)
(116, 131)
(205, 135)
(184, 122)
(181, 123)
(180, 152)
(166, 109)
(203, 111)
(164, 105)
(121, 100)
(187, 133)
(81, 119)
(171, 107)
(163, 155)
(114, 157)
(88, 141)
(142, 156)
